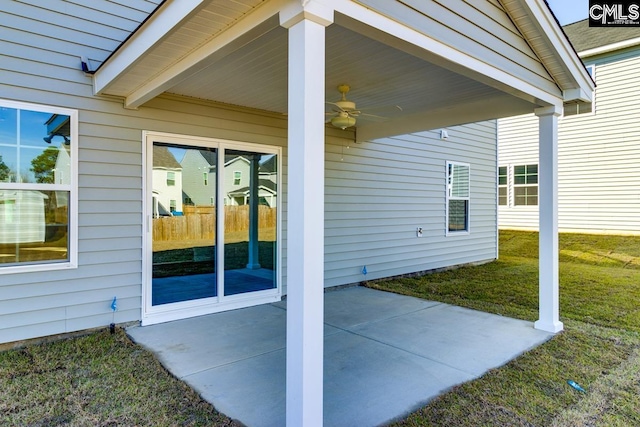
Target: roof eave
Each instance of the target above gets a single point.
(609, 48)
(550, 31)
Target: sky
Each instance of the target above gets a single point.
(569, 11)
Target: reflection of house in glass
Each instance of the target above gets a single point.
(199, 178)
(237, 172)
(22, 216)
(36, 216)
(267, 184)
(167, 183)
(57, 125)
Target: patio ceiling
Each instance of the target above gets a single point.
(236, 52)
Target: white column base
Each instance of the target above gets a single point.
(553, 327)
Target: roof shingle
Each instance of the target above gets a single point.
(583, 37)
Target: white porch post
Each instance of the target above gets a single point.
(305, 218)
(549, 304)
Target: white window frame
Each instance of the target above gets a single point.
(71, 188)
(513, 184)
(171, 182)
(505, 186)
(450, 196)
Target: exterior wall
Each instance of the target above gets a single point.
(518, 145)
(44, 68)
(598, 155)
(377, 193)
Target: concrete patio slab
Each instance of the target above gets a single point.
(385, 355)
(464, 339)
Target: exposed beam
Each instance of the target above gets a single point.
(159, 24)
(502, 105)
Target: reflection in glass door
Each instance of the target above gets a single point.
(250, 199)
(184, 182)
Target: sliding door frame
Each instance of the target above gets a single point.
(173, 311)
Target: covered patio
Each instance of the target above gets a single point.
(444, 64)
(385, 355)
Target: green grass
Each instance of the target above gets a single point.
(599, 349)
(106, 380)
(96, 380)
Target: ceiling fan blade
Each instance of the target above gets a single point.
(337, 106)
(373, 116)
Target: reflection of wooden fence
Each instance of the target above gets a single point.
(199, 222)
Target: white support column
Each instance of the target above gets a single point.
(305, 218)
(549, 295)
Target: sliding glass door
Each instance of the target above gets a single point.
(250, 221)
(184, 223)
(212, 208)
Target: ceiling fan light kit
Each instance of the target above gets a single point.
(346, 110)
(345, 113)
(343, 120)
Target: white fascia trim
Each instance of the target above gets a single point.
(238, 34)
(560, 44)
(502, 80)
(578, 94)
(609, 48)
(155, 29)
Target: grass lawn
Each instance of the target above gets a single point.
(599, 349)
(96, 380)
(105, 380)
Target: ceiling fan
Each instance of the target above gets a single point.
(345, 111)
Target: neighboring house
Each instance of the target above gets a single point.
(167, 182)
(138, 80)
(198, 177)
(268, 194)
(598, 145)
(237, 172)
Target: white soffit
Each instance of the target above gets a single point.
(171, 32)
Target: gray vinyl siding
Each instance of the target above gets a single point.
(377, 193)
(598, 154)
(490, 36)
(512, 133)
(44, 68)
